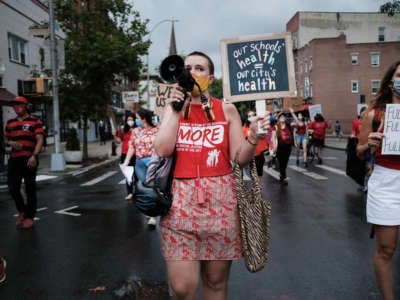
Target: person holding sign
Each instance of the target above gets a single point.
(200, 234)
(383, 200)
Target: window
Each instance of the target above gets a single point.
(354, 58)
(310, 66)
(375, 57)
(354, 86)
(17, 49)
(375, 86)
(307, 92)
(381, 34)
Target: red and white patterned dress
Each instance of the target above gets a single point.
(203, 222)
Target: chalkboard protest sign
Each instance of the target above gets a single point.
(391, 140)
(258, 67)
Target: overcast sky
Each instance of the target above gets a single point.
(203, 23)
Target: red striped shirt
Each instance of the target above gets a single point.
(23, 132)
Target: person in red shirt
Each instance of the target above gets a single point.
(123, 136)
(25, 136)
(200, 234)
(283, 141)
(318, 127)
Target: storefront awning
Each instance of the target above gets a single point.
(6, 96)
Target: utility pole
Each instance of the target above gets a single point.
(57, 158)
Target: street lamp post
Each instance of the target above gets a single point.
(148, 51)
(57, 158)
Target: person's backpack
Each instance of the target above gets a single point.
(154, 197)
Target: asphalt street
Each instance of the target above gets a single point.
(89, 243)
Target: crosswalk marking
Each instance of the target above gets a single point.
(272, 172)
(308, 173)
(98, 179)
(333, 170)
(65, 211)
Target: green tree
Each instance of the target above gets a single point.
(104, 44)
(215, 88)
(391, 8)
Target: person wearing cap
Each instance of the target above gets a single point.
(24, 134)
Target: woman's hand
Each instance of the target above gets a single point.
(259, 126)
(375, 139)
(176, 95)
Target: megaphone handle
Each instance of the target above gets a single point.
(178, 105)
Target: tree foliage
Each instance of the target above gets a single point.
(104, 44)
(391, 8)
(215, 88)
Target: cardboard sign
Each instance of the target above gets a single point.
(295, 103)
(258, 67)
(163, 92)
(391, 140)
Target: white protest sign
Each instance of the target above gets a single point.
(391, 140)
(313, 110)
(130, 96)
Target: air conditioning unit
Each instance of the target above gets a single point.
(36, 86)
(29, 87)
(43, 85)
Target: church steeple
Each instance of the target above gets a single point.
(172, 42)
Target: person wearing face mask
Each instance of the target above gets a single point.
(123, 136)
(383, 209)
(300, 136)
(24, 134)
(261, 146)
(141, 145)
(318, 127)
(200, 233)
(283, 140)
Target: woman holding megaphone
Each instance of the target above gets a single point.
(200, 234)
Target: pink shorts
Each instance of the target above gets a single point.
(202, 230)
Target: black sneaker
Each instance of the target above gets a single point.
(305, 164)
(297, 162)
(320, 161)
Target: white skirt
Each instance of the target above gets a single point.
(383, 201)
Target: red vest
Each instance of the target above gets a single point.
(202, 148)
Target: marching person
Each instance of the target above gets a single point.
(283, 141)
(200, 234)
(123, 137)
(141, 145)
(24, 134)
(300, 136)
(383, 209)
(318, 128)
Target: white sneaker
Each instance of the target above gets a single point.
(152, 222)
(129, 197)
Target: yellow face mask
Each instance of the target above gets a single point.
(203, 82)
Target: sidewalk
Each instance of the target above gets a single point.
(98, 155)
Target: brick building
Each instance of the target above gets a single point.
(340, 59)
